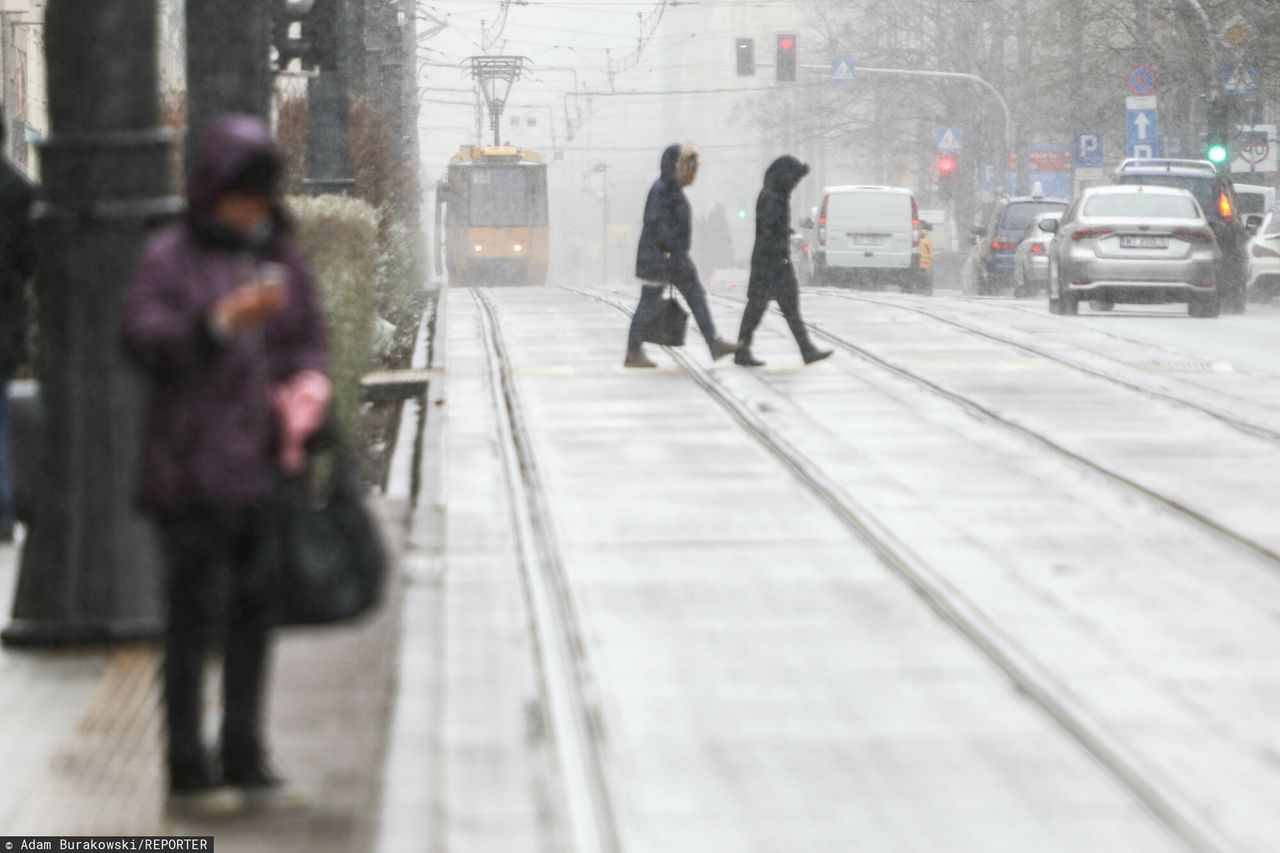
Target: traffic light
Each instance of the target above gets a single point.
(785, 65)
(1217, 148)
(945, 168)
(306, 30)
(742, 211)
(745, 51)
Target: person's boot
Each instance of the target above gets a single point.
(720, 348)
(262, 789)
(810, 353)
(744, 358)
(198, 791)
(637, 358)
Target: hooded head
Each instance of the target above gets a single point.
(784, 173)
(680, 164)
(237, 158)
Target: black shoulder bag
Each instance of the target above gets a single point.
(670, 322)
(331, 561)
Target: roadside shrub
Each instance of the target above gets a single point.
(340, 238)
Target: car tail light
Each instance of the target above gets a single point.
(1207, 285)
(1081, 282)
(1000, 244)
(1037, 248)
(805, 248)
(1194, 235)
(822, 221)
(1260, 251)
(915, 224)
(1091, 233)
(1225, 207)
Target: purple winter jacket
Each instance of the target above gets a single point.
(211, 428)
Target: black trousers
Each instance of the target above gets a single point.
(219, 592)
(651, 299)
(782, 289)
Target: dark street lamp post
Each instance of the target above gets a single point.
(329, 103)
(89, 569)
(228, 61)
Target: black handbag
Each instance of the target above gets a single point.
(331, 563)
(670, 322)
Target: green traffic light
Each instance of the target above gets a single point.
(742, 213)
(1217, 153)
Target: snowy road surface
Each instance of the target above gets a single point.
(987, 580)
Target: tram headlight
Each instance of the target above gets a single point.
(479, 248)
(518, 247)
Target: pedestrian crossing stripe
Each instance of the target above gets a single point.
(842, 72)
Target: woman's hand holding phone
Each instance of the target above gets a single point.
(251, 303)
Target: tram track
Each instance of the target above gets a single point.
(1162, 800)
(568, 696)
(1245, 425)
(987, 413)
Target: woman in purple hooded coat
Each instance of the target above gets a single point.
(223, 319)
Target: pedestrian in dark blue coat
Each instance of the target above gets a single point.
(662, 257)
(772, 275)
(17, 262)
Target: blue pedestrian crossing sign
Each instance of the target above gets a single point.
(843, 70)
(1241, 79)
(949, 140)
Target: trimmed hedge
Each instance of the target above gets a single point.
(339, 236)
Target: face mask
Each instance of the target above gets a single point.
(261, 233)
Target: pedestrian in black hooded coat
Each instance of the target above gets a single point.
(772, 275)
(662, 258)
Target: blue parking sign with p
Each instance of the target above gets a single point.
(1089, 151)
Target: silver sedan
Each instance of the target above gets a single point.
(1031, 260)
(1133, 243)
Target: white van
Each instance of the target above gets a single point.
(869, 236)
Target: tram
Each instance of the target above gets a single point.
(491, 217)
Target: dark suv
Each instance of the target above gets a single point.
(998, 241)
(1217, 198)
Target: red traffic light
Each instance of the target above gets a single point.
(786, 43)
(946, 165)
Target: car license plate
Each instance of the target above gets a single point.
(1134, 242)
(868, 239)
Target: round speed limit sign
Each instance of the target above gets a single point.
(1255, 149)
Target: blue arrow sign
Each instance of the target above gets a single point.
(843, 70)
(1142, 125)
(1089, 150)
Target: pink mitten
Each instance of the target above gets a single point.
(300, 405)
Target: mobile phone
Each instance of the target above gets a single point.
(272, 276)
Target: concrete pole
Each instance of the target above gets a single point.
(1024, 96)
(7, 69)
(89, 569)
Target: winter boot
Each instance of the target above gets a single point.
(810, 353)
(744, 358)
(637, 358)
(720, 348)
(263, 790)
(198, 791)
